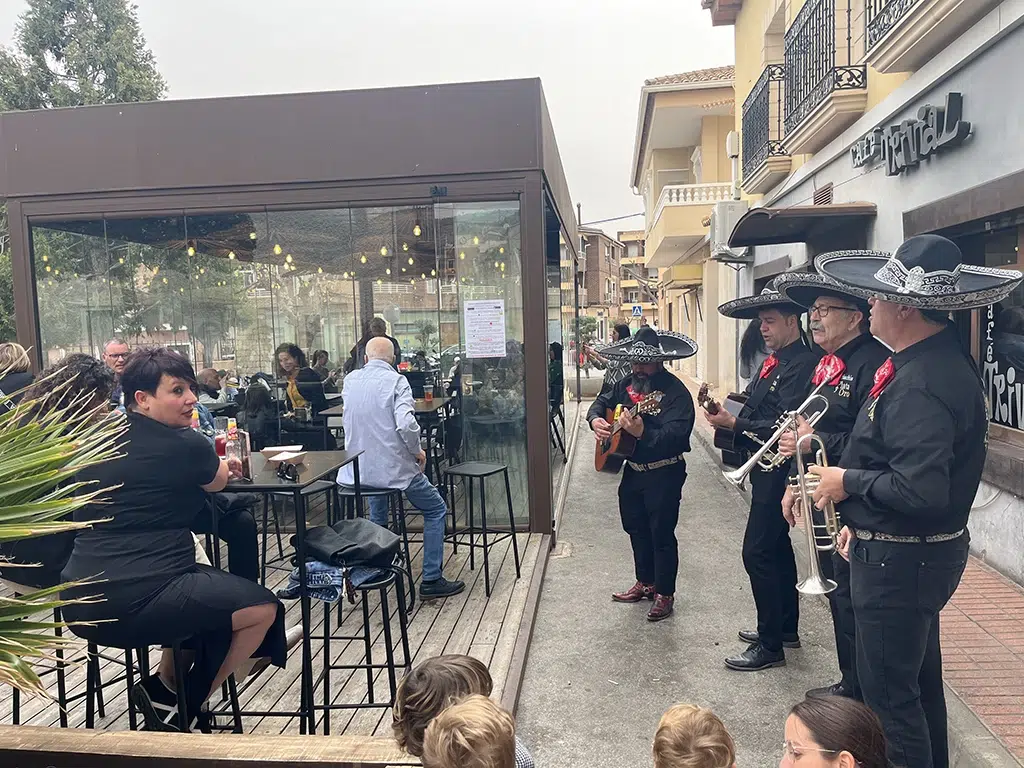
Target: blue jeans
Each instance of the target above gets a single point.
(425, 497)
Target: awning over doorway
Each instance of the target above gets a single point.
(797, 224)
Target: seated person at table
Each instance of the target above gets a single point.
(210, 391)
(71, 380)
(259, 417)
(151, 586)
(380, 421)
(305, 387)
(430, 688)
(472, 733)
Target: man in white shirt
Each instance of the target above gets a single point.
(380, 421)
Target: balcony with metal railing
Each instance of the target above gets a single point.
(765, 159)
(825, 92)
(901, 35)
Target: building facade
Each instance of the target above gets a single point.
(639, 284)
(681, 171)
(896, 125)
(602, 256)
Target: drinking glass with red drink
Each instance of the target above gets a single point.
(220, 442)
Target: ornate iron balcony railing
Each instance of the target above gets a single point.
(816, 63)
(762, 119)
(882, 15)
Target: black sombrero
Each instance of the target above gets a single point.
(650, 346)
(926, 272)
(748, 307)
(804, 288)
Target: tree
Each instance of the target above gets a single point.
(71, 53)
(426, 333)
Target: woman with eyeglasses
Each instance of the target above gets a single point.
(833, 732)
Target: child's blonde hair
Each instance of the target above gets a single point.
(691, 737)
(472, 733)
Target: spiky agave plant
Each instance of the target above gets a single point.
(42, 448)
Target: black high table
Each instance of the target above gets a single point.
(316, 466)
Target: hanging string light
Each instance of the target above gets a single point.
(288, 259)
(383, 252)
(416, 229)
(277, 249)
(362, 259)
(231, 255)
(462, 254)
(476, 240)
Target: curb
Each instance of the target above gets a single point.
(971, 743)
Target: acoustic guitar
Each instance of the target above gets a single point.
(733, 454)
(612, 453)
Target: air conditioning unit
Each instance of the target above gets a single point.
(723, 220)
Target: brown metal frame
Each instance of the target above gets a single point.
(157, 189)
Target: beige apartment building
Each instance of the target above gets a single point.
(602, 276)
(639, 284)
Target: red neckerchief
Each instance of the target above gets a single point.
(636, 397)
(883, 376)
(830, 369)
(768, 365)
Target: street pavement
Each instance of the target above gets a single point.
(599, 675)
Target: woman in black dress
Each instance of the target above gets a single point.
(153, 590)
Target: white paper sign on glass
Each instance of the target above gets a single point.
(485, 327)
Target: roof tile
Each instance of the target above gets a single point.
(699, 76)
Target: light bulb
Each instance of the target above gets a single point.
(410, 261)
(181, 290)
(383, 251)
(46, 258)
(252, 235)
(476, 240)
(202, 271)
(495, 265)
(277, 249)
(191, 251)
(405, 246)
(412, 282)
(416, 230)
(502, 249)
(379, 281)
(362, 259)
(48, 268)
(433, 273)
(463, 279)
(345, 275)
(403, 269)
(319, 270)
(503, 266)
(387, 271)
(56, 271)
(462, 254)
(288, 259)
(423, 275)
(156, 270)
(165, 281)
(231, 255)
(121, 260)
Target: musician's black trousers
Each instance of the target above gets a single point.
(834, 567)
(769, 561)
(898, 592)
(649, 508)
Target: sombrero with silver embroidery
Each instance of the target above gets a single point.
(926, 272)
(650, 346)
(748, 307)
(804, 288)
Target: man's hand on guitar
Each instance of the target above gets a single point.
(723, 419)
(787, 443)
(634, 425)
(602, 429)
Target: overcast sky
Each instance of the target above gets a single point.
(592, 56)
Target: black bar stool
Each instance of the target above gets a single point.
(393, 575)
(481, 470)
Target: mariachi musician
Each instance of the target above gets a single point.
(838, 323)
(908, 476)
(652, 480)
(781, 385)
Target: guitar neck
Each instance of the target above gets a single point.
(632, 414)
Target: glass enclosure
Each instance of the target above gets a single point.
(227, 288)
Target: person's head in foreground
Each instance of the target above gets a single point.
(78, 379)
(833, 732)
(380, 348)
(692, 737)
(474, 732)
(431, 687)
(160, 383)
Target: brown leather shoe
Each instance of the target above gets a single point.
(635, 594)
(662, 608)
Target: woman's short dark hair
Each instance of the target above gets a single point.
(318, 354)
(66, 381)
(294, 351)
(146, 367)
(257, 397)
(622, 331)
(838, 724)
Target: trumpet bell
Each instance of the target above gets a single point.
(816, 584)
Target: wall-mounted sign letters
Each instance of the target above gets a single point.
(905, 145)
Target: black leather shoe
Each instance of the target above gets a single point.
(788, 640)
(836, 689)
(756, 657)
(430, 590)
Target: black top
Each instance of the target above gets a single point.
(667, 433)
(783, 389)
(311, 387)
(862, 356)
(915, 456)
(149, 536)
(13, 382)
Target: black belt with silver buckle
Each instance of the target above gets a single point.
(655, 464)
(933, 539)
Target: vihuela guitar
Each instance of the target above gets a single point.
(610, 454)
(733, 453)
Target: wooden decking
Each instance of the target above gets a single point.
(487, 628)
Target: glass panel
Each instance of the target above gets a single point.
(481, 241)
(557, 373)
(1002, 330)
(72, 270)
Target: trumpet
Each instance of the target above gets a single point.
(766, 457)
(820, 538)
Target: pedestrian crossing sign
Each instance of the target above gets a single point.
(638, 311)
